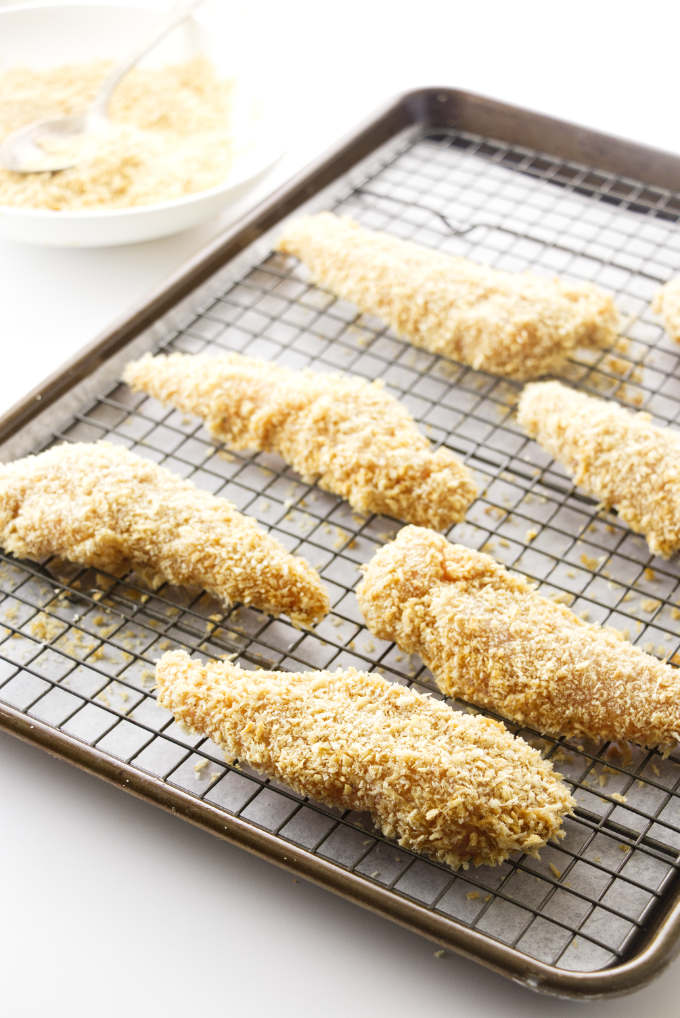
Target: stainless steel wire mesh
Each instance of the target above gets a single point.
(77, 646)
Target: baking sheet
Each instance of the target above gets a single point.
(77, 646)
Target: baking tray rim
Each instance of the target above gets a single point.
(447, 933)
(430, 107)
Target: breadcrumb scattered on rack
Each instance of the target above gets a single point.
(461, 789)
(101, 505)
(346, 434)
(490, 638)
(666, 304)
(516, 324)
(614, 455)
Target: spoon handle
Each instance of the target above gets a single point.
(178, 13)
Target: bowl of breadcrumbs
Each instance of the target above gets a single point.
(189, 133)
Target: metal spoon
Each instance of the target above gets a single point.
(60, 142)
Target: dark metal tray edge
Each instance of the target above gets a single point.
(631, 975)
(432, 107)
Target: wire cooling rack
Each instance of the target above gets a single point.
(77, 645)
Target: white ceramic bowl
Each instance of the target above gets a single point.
(42, 36)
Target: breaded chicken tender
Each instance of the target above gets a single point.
(489, 638)
(340, 431)
(100, 505)
(616, 456)
(461, 789)
(666, 304)
(515, 324)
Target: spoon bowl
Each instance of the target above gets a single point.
(56, 144)
(47, 35)
(51, 145)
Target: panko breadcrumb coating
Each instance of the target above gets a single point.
(100, 505)
(515, 324)
(616, 456)
(461, 789)
(489, 638)
(666, 304)
(340, 431)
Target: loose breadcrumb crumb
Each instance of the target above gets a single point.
(459, 788)
(44, 627)
(617, 365)
(666, 304)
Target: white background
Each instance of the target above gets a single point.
(107, 906)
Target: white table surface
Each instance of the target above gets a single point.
(110, 907)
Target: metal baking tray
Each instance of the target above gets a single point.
(600, 912)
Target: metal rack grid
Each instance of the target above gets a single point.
(77, 645)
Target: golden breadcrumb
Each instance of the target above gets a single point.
(666, 304)
(174, 130)
(617, 456)
(347, 434)
(102, 506)
(461, 789)
(488, 637)
(515, 324)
